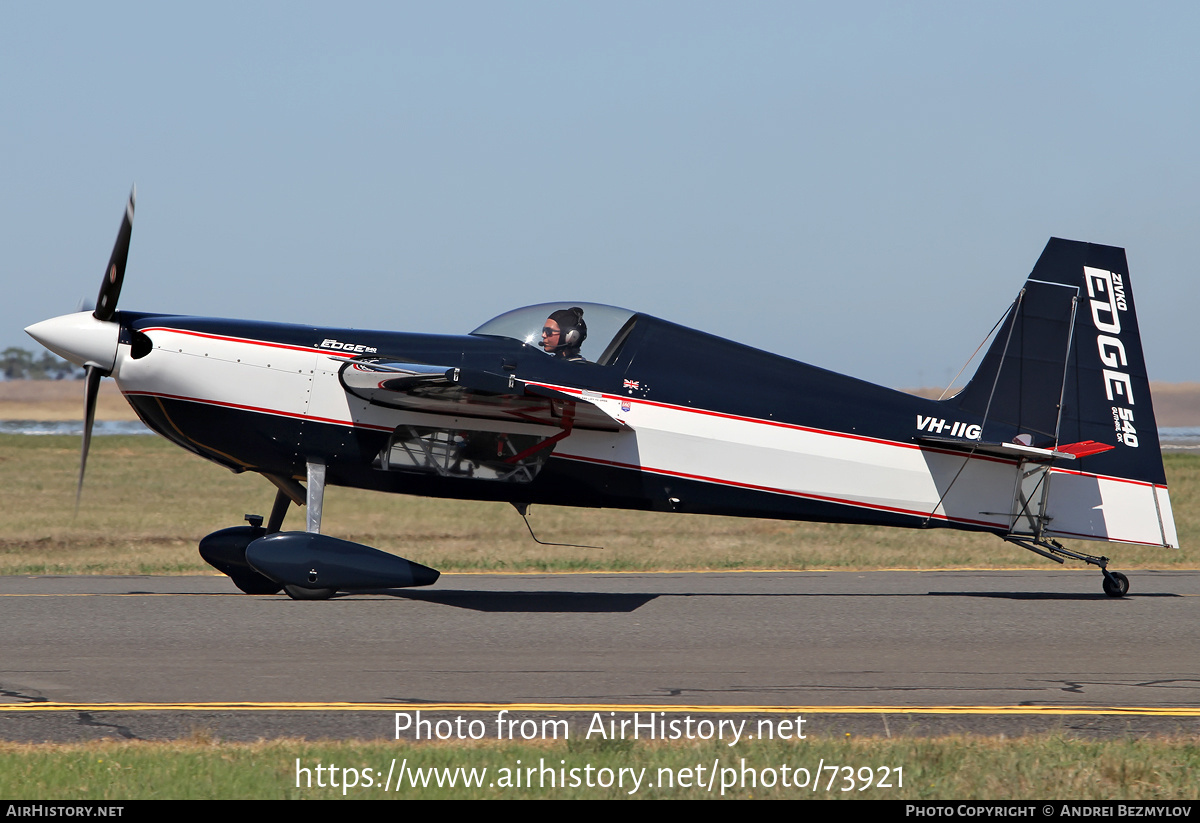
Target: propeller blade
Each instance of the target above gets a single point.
(91, 392)
(114, 274)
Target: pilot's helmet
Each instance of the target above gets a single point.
(573, 331)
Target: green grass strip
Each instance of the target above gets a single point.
(1045, 767)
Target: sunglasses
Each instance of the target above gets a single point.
(549, 332)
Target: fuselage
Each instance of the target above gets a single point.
(707, 425)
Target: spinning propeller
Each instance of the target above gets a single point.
(89, 339)
(114, 275)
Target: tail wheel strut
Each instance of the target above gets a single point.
(1115, 584)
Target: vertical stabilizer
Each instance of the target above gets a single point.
(1066, 367)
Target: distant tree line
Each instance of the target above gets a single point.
(19, 364)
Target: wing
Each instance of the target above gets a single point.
(464, 392)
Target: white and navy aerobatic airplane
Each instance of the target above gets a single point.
(578, 404)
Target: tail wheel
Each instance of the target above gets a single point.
(1115, 584)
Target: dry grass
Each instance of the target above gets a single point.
(147, 504)
(59, 400)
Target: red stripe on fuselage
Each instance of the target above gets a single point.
(577, 391)
(267, 343)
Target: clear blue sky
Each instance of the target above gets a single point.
(862, 186)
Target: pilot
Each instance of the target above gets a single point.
(563, 333)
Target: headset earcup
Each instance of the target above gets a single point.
(575, 336)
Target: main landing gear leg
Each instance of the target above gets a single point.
(312, 513)
(316, 497)
(1115, 583)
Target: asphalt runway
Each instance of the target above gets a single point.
(863, 652)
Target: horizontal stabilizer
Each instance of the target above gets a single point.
(1073, 451)
(1085, 448)
(1016, 450)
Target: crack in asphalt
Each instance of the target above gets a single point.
(679, 692)
(86, 719)
(1077, 686)
(28, 698)
(1069, 686)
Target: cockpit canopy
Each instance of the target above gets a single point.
(606, 327)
